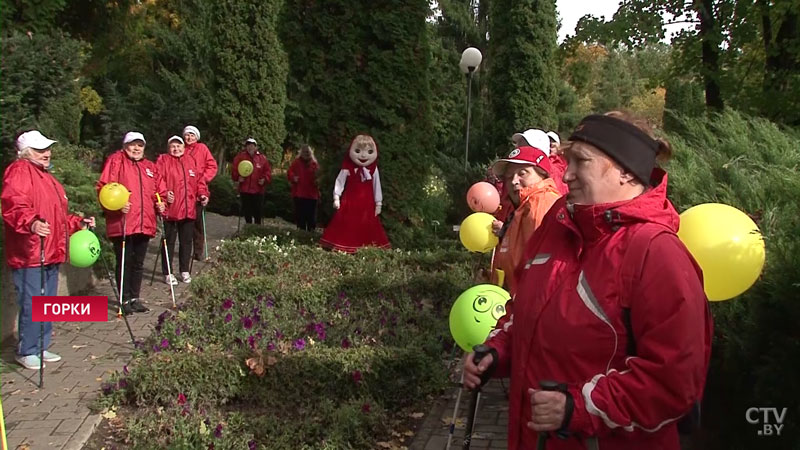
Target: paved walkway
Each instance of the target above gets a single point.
(58, 416)
(489, 431)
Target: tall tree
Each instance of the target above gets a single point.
(522, 67)
(362, 66)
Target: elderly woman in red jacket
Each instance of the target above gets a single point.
(302, 176)
(37, 222)
(207, 165)
(608, 339)
(251, 187)
(185, 186)
(135, 223)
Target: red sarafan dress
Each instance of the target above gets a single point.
(355, 224)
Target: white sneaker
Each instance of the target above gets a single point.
(51, 357)
(186, 277)
(170, 279)
(29, 362)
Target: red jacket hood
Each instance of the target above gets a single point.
(652, 206)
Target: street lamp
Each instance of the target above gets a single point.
(470, 60)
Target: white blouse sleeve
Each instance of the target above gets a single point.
(341, 179)
(376, 187)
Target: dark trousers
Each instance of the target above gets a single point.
(182, 231)
(305, 212)
(252, 205)
(199, 232)
(135, 251)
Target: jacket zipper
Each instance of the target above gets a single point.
(141, 196)
(185, 188)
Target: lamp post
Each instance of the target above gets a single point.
(470, 60)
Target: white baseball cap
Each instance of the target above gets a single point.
(133, 136)
(554, 137)
(250, 141)
(33, 139)
(175, 138)
(533, 137)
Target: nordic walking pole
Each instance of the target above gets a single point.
(166, 257)
(122, 268)
(480, 352)
(116, 294)
(205, 239)
(455, 412)
(547, 385)
(41, 324)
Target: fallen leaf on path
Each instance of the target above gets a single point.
(110, 414)
(76, 347)
(416, 415)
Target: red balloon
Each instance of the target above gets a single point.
(483, 197)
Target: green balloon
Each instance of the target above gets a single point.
(475, 313)
(84, 249)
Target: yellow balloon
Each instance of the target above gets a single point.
(245, 168)
(726, 244)
(114, 196)
(476, 233)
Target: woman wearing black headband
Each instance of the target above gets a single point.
(610, 306)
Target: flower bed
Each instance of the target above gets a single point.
(285, 345)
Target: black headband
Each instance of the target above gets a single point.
(631, 147)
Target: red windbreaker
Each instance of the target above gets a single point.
(306, 173)
(31, 193)
(261, 171)
(203, 159)
(143, 181)
(566, 324)
(181, 176)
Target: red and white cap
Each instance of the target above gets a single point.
(524, 155)
(533, 137)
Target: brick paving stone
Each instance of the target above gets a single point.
(69, 426)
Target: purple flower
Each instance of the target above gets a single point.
(251, 445)
(270, 346)
(270, 302)
(123, 383)
(163, 316)
(300, 344)
(156, 349)
(164, 343)
(278, 334)
(380, 296)
(302, 312)
(345, 343)
(342, 294)
(259, 298)
(218, 431)
(251, 341)
(108, 388)
(227, 304)
(211, 446)
(356, 376)
(228, 317)
(178, 331)
(238, 341)
(125, 369)
(365, 408)
(247, 322)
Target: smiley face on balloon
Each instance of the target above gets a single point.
(475, 314)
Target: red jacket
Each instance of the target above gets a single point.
(306, 173)
(181, 176)
(559, 166)
(566, 324)
(31, 193)
(261, 171)
(143, 181)
(203, 159)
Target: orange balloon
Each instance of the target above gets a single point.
(483, 197)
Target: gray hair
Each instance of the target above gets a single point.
(24, 153)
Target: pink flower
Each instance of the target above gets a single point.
(181, 399)
(228, 317)
(345, 343)
(227, 304)
(356, 376)
(365, 408)
(300, 344)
